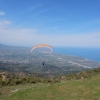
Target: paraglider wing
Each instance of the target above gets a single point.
(41, 45)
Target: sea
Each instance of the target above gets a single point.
(88, 53)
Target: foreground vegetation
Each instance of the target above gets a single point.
(83, 89)
(16, 79)
(87, 88)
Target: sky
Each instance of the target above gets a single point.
(59, 23)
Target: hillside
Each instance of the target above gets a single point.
(76, 89)
(18, 59)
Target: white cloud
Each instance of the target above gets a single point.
(30, 37)
(16, 36)
(3, 23)
(76, 40)
(2, 13)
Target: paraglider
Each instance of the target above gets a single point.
(43, 63)
(41, 45)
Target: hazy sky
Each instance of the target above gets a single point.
(70, 23)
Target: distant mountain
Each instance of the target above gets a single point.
(20, 59)
(1, 44)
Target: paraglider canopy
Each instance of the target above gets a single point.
(42, 45)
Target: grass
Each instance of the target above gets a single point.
(86, 89)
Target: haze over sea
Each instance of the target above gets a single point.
(88, 53)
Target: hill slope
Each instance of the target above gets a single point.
(83, 89)
(20, 59)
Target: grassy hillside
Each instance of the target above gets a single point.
(81, 89)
